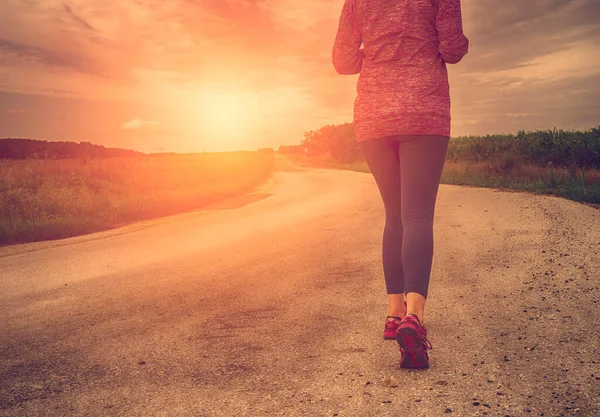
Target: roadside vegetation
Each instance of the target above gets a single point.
(558, 162)
(43, 199)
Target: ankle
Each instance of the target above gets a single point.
(418, 314)
(396, 306)
(397, 312)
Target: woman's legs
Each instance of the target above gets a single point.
(408, 170)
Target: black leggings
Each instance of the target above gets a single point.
(407, 170)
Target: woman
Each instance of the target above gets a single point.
(402, 124)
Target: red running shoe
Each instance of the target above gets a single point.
(412, 338)
(391, 326)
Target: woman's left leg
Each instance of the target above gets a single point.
(384, 162)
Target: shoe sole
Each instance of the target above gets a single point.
(412, 346)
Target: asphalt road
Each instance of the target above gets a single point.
(273, 304)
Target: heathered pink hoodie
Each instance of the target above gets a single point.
(403, 84)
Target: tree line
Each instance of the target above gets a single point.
(42, 149)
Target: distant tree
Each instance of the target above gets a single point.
(337, 140)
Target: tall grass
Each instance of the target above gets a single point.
(563, 163)
(577, 185)
(52, 199)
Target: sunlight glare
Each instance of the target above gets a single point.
(227, 115)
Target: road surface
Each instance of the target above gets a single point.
(273, 304)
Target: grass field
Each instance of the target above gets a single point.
(52, 199)
(574, 184)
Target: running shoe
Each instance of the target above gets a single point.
(412, 338)
(391, 326)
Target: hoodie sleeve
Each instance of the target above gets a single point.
(347, 56)
(454, 45)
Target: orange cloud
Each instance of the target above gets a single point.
(173, 53)
(138, 124)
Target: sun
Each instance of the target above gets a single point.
(229, 115)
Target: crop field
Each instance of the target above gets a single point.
(563, 163)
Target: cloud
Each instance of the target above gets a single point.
(507, 106)
(78, 19)
(509, 34)
(17, 111)
(80, 37)
(521, 55)
(138, 124)
(15, 54)
(530, 66)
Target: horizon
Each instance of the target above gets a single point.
(216, 77)
(297, 144)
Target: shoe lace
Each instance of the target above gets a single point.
(426, 341)
(423, 333)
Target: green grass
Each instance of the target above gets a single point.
(574, 184)
(53, 199)
(577, 185)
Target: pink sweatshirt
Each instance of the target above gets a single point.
(403, 84)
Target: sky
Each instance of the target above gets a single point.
(219, 75)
